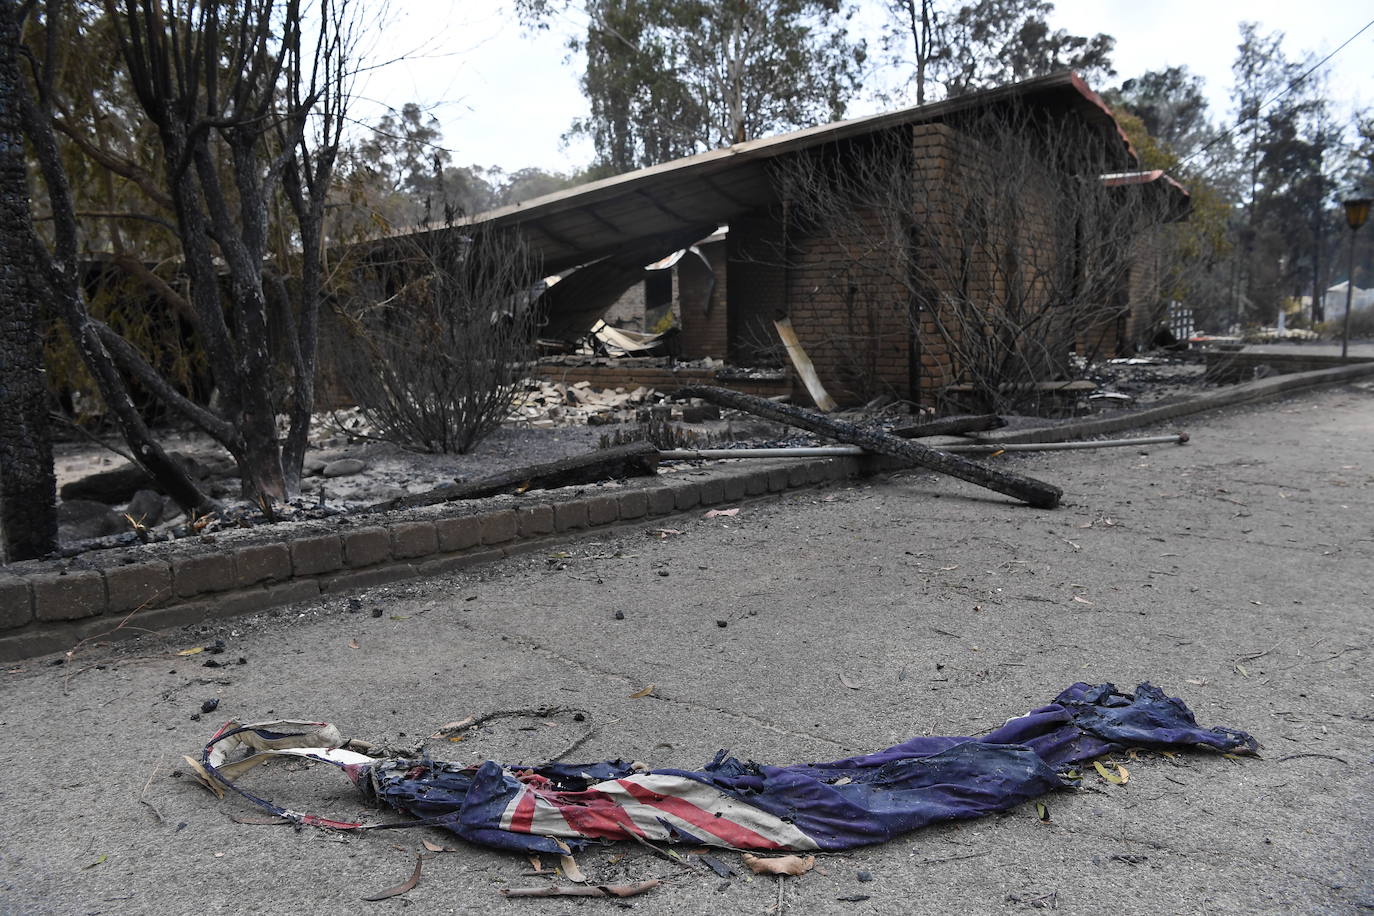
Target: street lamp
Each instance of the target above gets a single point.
(1356, 212)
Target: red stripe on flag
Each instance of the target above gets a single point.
(524, 812)
(736, 835)
(595, 814)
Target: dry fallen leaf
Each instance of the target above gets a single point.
(721, 513)
(639, 694)
(196, 651)
(662, 533)
(570, 869)
(434, 847)
(780, 865)
(404, 886)
(353, 643)
(536, 863)
(1042, 811)
(1081, 600)
(848, 683)
(1115, 778)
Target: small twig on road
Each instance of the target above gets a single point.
(143, 801)
(1251, 656)
(971, 855)
(1325, 756)
(471, 722)
(71, 653)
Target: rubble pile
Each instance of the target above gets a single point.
(546, 405)
(1145, 380)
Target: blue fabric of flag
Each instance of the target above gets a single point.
(836, 805)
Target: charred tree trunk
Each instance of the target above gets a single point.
(638, 459)
(1027, 489)
(28, 516)
(59, 270)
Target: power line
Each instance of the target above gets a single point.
(1280, 94)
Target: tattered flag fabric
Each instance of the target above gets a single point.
(731, 803)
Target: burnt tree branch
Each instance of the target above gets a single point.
(1034, 492)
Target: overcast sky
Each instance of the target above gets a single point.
(505, 97)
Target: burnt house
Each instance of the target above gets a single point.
(902, 283)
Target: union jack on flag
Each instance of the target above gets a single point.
(732, 803)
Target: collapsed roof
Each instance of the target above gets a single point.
(617, 225)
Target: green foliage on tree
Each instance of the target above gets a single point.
(995, 42)
(400, 177)
(669, 79)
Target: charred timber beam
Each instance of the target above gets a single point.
(592, 212)
(638, 459)
(1028, 490)
(662, 208)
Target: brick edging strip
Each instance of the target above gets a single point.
(50, 606)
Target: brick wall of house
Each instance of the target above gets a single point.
(628, 310)
(1138, 308)
(755, 251)
(985, 253)
(850, 314)
(703, 309)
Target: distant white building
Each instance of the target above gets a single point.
(1335, 301)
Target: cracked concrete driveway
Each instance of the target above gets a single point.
(1235, 572)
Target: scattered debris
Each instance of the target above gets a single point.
(638, 459)
(721, 513)
(780, 865)
(592, 890)
(1035, 492)
(802, 363)
(717, 866)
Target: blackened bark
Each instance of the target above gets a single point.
(638, 459)
(59, 270)
(28, 514)
(1036, 493)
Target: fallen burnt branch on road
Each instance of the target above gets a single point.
(638, 459)
(1027, 489)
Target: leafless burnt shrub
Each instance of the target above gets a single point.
(434, 356)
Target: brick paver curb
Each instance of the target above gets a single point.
(49, 606)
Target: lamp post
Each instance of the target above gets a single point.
(1356, 212)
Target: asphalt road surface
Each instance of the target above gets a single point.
(1235, 572)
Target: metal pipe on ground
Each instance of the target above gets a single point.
(839, 451)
